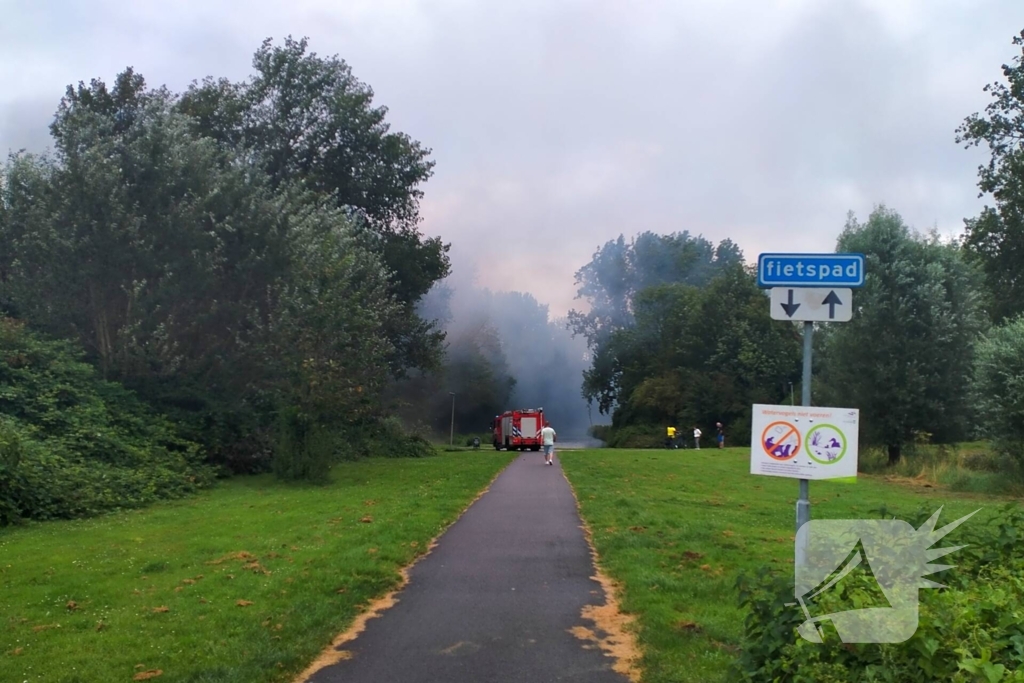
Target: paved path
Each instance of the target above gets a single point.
(495, 599)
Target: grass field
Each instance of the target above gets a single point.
(247, 582)
(251, 580)
(675, 528)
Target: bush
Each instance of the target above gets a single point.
(999, 391)
(970, 467)
(237, 436)
(637, 436)
(73, 445)
(601, 432)
(304, 450)
(653, 436)
(966, 633)
(387, 438)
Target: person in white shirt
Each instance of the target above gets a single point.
(696, 437)
(548, 435)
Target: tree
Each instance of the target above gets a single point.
(188, 273)
(996, 237)
(124, 238)
(150, 246)
(611, 284)
(327, 347)
(305, 119)
(905, 359)
(618, 271)
(694, 356)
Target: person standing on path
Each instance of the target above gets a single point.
(548, 436)
(720, 437)
(696, 437)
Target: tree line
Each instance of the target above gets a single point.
(243, 256)
(680, 334)
(245, 260)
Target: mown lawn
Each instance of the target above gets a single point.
(675, 528)
(247, 582)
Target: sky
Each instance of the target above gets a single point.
(557, 125)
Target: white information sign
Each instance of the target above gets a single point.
(804, 442)
(831, 305)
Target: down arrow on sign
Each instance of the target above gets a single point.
(790, 307)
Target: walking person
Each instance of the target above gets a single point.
(696, 437)
(670, 440)
(720, 436)
(548, 437)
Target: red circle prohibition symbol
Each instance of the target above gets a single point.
(777, 449)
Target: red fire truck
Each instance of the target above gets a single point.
(518, 429)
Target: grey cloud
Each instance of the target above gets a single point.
(558, 125)
(24, 124)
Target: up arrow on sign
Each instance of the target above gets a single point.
(832, 301)
(808, 304)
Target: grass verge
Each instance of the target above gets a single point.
(965, 467)
(248, 582)
(675, 528)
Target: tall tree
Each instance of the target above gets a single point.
(905, 359)
(148, 244)
(152, 247)
(619, 270)
(325, 344)
(610, 284)
(189, 275)
(307, 119)
(996, 236)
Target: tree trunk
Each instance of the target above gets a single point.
(99, 322)
(894, 454)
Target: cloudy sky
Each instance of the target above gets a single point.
(556, 125)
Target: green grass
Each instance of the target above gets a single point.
(675, 528)
(326, 552)
(968, 467)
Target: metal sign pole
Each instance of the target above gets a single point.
(803, 503)
(807, 288)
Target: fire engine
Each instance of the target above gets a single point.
(518, 429)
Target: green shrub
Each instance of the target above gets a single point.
(636, 436)
(601, 432)
(73, 445)
(236, 436)
(971, 631)
(970, 467)
(653, 436)
(387, 438)
(999, 391)
(305, 450)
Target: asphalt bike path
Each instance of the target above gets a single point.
(495, 600)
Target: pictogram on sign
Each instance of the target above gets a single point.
(781, 440)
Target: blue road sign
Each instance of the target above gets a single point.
(810, 270)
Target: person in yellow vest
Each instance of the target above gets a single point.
(670, 439)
